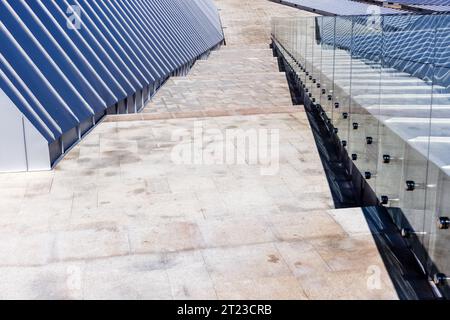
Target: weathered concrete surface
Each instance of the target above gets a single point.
(118, 218)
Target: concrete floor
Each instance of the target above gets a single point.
(119, 218)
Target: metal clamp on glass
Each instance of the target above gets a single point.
(388, 159)
(354, 157)
(355, 125)
(412, 185)
(369, 140)
(440, 279)
(336, 105)
(384, 200)
(443, 223)
(344, 143)
(368, 175)
(345, 115)
(407, 233)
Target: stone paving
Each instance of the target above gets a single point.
(121, 218)
(213, 84)
(244, 73)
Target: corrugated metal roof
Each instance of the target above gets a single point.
(59, 76)
(424, 5)
(436, 8)
(333, 7)
(420, 2)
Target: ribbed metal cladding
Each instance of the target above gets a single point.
(64, 64)
(341, 7)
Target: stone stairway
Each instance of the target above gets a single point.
(232, 81)
(230, 78)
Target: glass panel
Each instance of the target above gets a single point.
(302, 44)
(327, 39)
(365, 83)
(384, 84)
(438, 183)
(342, 71)
(310, 34)
(318, 59)
(407, 87)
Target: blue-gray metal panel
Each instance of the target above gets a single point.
(437, 8)
(424, 2)
(17, 65)
(94, 96)
(169, 24)
(135, 29)
(188, 17)
(93, 45)
(113, 42)
(154, 32)
(178, 22)
(211, 12)
(424, 5)
(341, 7)
(62, 78)
(205, 14)
(26, 45)
(81, 53)
(148, 62)
(146, 36)
(24, 99)
(195, 15)
(63, 75)
(163, 31)
(91, 26)
(191, 21)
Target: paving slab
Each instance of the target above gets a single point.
(122, 218)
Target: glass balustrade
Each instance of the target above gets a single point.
(382, 86)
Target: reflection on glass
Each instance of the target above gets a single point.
(383, 83)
